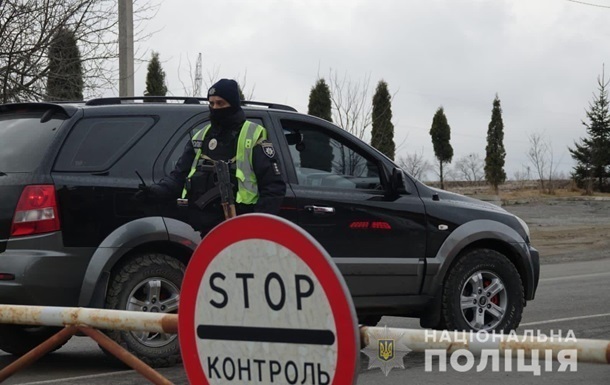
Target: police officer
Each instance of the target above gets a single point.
(255, 172)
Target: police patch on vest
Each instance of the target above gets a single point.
(213, 143)
(268, 149)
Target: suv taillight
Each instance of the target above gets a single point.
(36, 211)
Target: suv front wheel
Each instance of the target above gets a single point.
(483, 291)
(149, 283)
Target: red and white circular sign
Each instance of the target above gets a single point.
(262, 302)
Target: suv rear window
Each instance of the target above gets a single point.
(95, 144)
(24, 140)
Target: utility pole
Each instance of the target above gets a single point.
(126, 70)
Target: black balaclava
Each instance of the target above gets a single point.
(230, 116)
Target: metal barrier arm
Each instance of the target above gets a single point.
(97, 318)
(82, 319)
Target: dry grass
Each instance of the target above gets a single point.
(537, 194)
(522, 190)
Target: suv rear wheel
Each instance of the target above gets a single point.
(483, 291)
(149, 283)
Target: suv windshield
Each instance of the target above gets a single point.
(24, 140)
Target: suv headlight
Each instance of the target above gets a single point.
(525, 227)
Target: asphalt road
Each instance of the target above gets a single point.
(571, 296)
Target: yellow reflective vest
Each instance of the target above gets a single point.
(249, 136)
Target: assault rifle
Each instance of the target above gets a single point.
(223, 188)
(227, 200)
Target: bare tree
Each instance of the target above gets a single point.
(27, 29)
(449, 174)
(470, 168)
(213, 76)
(522, 176)
(352, 107)
(415, 164)
(188, 89)
(542, 158)
(248, 94)
(553, 175)
(538, 154)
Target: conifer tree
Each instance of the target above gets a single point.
(495, 152)
(441, 135)
(319, 101)
(155, 77)
(382, 135)
(592, 154)
(65, 77)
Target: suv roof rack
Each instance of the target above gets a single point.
(269, 105)
(184, 99)
(152, 99)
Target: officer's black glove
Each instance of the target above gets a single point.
(141, 195)
(149, 194)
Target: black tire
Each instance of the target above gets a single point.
(466, 303)
(19, 339)
(142, 279)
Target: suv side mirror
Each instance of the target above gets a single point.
(397, 182)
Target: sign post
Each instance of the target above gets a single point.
(263, 303)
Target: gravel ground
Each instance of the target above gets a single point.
(567, 229)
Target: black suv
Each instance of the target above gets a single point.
(71, 234)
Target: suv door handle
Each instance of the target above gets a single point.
(320, 210)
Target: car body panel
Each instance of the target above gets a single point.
(46, 272)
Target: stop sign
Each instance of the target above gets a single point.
(262, 302)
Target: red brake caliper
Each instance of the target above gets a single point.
(494, 299)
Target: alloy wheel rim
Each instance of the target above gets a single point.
(483, 300)
(154, 295)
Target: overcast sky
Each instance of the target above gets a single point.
(542, 58)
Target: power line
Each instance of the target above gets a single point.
(590, 4)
